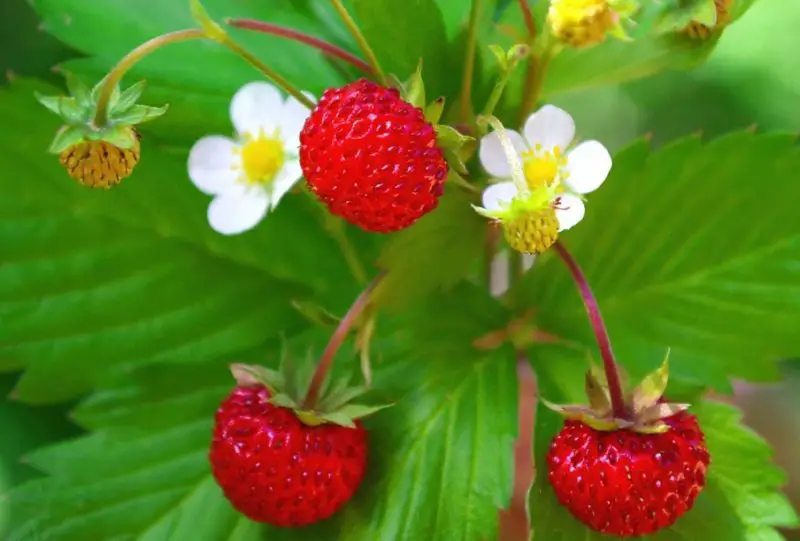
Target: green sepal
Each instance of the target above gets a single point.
(247, 375)
(413, 90)
(66, 137)
(660, 411)
(315, 314)
(211, 28)
(679, 14)
(599, 399)
(450, 138)
(454, 178)
(651, 388)
(78, 89)
(120, 136)
(128, 98)
(65, 107)
(138, 114)
(434, 110)
(588, 416)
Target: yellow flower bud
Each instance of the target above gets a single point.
(697, 30)
(580, 23)
(532, 232)
(100, 164)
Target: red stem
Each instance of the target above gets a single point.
(528, 16)
(324, 46)
(600, 332)
(336, 341)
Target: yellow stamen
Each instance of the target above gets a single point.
(543, 168)
(262, 158)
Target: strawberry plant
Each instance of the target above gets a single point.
(295, 258)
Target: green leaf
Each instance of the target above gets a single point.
(402, 34)
(741, 502)
(179, 74)
(683, 250)
(434, 254)
(677, 15)
(440, 460)
(91, 282)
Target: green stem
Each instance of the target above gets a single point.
(360, 39)
(469, 61)
(337, 339)
(497, 93)
(534, 78)
(267, 71)
(113, 78)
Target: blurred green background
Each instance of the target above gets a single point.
(752, 78)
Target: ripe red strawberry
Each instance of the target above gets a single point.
(628, 484)
(279, 464)
(372, 157)
(630, 474)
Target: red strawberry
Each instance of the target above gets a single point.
(372, 157)
(280, 464)
(631, 474)
(628, 484)
(275, 469)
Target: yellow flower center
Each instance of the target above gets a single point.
(262, 158)
(580, 23)
(543, 168)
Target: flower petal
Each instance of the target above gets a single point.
(498, 196)
(492, 156)
(256, 106)
(293, 117)
(284, 181)
(550, 127)
(588, 166)
(213, 164)
(236, 212)
(570, 211)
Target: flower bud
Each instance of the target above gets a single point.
(581, 23)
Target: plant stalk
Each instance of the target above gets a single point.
(326, 48)
(116, 74)
(527, 16)
(599, 328)
(360, 39)
(469, 61)
(336, 341)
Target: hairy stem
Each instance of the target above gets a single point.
(599, 328)
(336, 341)
(116, 74)
(326, 48)
(469, 61)
(527, 15)
(360, 39)
(268, 72)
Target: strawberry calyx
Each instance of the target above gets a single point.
(78, 109)
(645, 406)
(288, 385)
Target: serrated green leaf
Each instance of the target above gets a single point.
(66, 108)
(78, 89)
(178, 74)
(92, 255)
(727, 260)
(402, 34)
(741, 502)
(144, 473)
(434, 254)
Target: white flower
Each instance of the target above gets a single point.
(542, 153)
(248, 176)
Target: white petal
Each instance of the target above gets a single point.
(498, 196)
(492, 156)
(570, 211)
(588, 166)
(213, 164)
(236, 212)
(256, 106)
(293, 117)
(286, 178)
(527, 261)
(550, 127)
